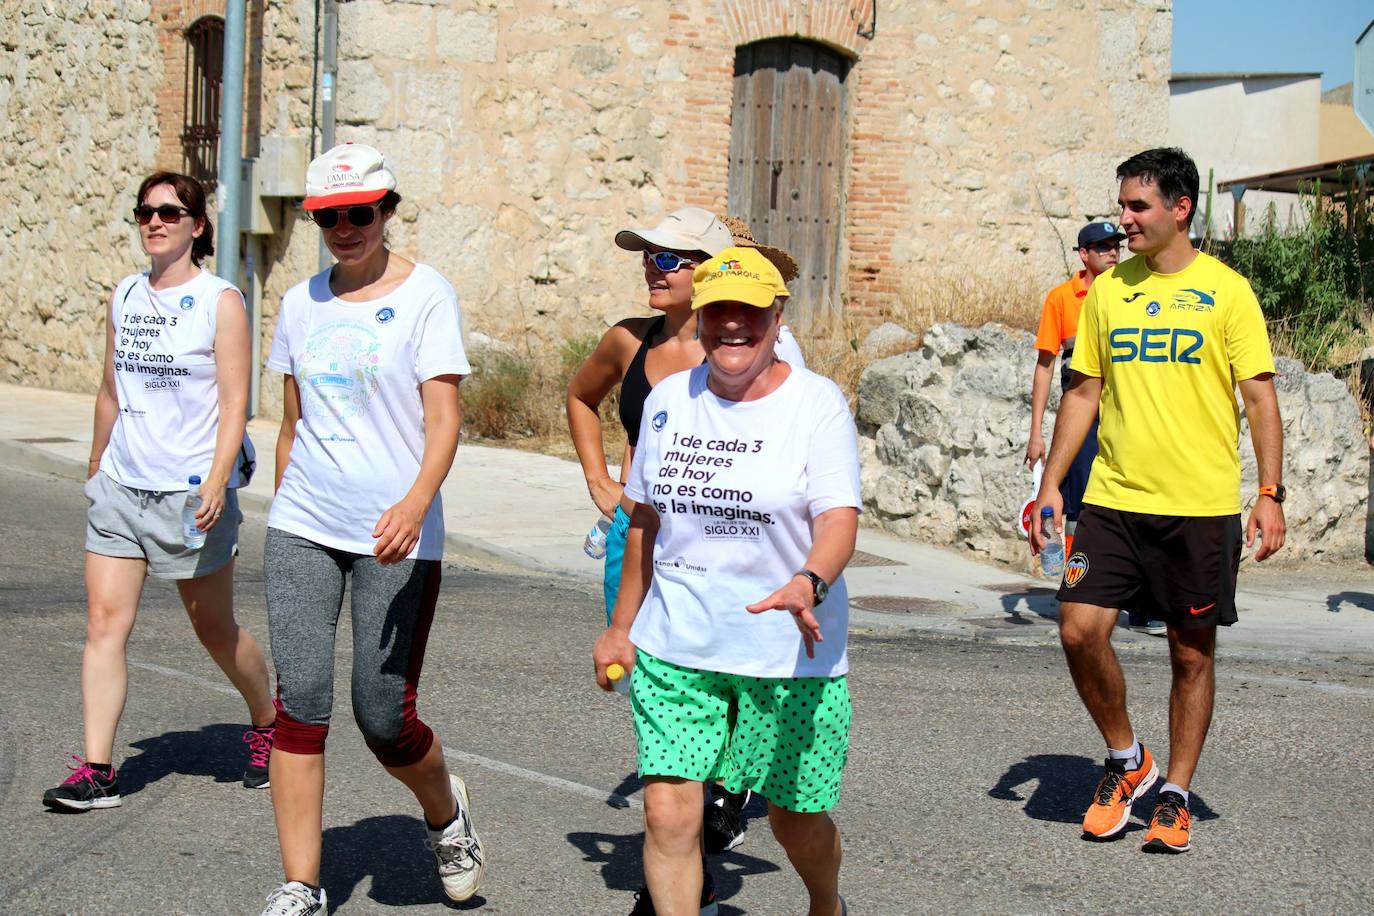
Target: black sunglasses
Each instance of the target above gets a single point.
(358, 217)
(167, 213)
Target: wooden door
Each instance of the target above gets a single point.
(787, 146)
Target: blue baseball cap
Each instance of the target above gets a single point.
(1097, 233)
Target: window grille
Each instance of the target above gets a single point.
(200, 118)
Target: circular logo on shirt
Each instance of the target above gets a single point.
(1152, 309)
(1075, 569)
(660, 419)
(385, 314)
(188, 303)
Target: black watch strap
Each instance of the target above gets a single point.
(819, 587)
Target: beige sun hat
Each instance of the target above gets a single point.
(744, 238)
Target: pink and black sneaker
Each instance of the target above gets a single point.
(259, 741)
(85, 789)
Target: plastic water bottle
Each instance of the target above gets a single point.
(618, 678)
(193, 536)
(595, 545)
(1052, 553)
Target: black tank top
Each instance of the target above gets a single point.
(635, 387)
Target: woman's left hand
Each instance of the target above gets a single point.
(212, 505)
(398, 531)
(795, 597)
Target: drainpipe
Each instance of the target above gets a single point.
(230, 190)
(330, 69)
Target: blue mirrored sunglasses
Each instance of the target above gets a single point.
(667, 261)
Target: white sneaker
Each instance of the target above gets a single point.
(457, 850)
(1151, 627)
(294, 899)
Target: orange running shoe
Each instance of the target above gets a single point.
(1169, 825)
(1111, 806)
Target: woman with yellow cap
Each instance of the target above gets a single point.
(745, 491)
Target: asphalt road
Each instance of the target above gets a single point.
(970, 766)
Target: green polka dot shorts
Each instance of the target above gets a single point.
(786, 738)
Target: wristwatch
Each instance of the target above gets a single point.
(819, 588)
(1275, 491)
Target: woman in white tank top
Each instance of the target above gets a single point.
(172, 403)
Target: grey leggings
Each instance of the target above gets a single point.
(393, 607)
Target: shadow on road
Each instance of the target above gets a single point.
(622, 867)
(216, 751)
(1039, 601)
(1064, 786)
(1362, 600)
(628, 786)
(391, 851)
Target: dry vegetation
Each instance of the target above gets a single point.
(927, 300)
(518, 399)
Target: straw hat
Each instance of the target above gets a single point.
(744, 238)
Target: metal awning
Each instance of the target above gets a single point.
(1337, 178)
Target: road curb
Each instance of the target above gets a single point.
(25, 457)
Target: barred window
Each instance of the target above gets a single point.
(200, 118)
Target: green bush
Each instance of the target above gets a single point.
(1314, 281)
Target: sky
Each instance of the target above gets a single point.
(1270, 35)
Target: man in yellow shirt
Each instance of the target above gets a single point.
(1163, 341)
(1099, 248)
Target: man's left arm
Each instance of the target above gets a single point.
(1266, 432)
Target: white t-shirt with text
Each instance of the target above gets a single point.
(166, 382)
(737, 485)
(361, 434)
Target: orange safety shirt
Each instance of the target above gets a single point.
(1059, 318)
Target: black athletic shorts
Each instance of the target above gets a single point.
(1179, 569)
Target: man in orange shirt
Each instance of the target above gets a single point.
(1099, 247)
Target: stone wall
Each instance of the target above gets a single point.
(943, 431)
(524, 135)
(79, 131)
(527, 135)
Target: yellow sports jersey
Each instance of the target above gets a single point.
(1170, 349)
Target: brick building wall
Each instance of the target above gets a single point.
(979, 136)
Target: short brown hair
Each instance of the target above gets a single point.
(192, 196)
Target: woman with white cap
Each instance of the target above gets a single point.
(722, 688)
(372, 354)
(637, 353)
(173, 402)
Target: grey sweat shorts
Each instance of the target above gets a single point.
(146, 525)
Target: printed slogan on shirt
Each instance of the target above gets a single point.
(693, 480)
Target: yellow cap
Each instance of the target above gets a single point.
(614, 672)
(737, 275)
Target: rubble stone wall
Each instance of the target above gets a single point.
(943, 432)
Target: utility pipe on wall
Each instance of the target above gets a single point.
(230, 190)
(330, 68)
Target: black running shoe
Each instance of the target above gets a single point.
(259, 741)
(644, 904)
(84, 789)
(724, 824)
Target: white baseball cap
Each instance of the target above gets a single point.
(687, 229)
(350, 173)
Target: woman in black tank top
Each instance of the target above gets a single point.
(638, 352)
